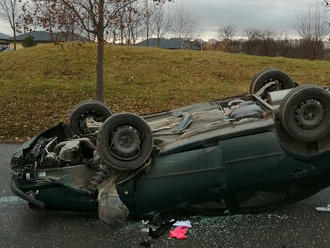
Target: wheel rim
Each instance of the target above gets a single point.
(125, 142)
(309, 114)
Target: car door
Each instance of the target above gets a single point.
(261, 175)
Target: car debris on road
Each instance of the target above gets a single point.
(323, 209)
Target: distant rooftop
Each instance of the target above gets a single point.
(4, 36)
(173, 43)
(43, 36)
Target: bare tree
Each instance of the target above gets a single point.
(120, 22)
(147, 19)
(267, 37)
(134, 24)
(130, 23)
(313, 28)
(226, 32)
(226, 35)
(9, 9)
(183, 25)
(162, 19)
(326, 3)
(252, 33)
(92, 16)
(253, 38)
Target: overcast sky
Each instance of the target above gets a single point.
(278, 15)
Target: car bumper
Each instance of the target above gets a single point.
(25, 196)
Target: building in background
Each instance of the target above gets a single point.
(4, 43)
(173, 43)
(42, 37)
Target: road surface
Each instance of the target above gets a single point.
(295, 226)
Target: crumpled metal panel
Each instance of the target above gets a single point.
(111, 209)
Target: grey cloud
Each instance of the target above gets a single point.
(278, 15)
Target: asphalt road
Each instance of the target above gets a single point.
(295, 226)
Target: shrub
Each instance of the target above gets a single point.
(29, 42)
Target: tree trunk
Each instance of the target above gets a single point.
(147, 34)
(14, 38)
(100, 54)
(14, 28)
(99, 68)
(122, 36)
(147, 20)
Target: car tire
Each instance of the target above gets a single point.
(125, 142)
(305, 113)
(80, 111)
(266, 76)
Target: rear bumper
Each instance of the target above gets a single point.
(24, 196)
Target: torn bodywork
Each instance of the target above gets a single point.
(246, 153)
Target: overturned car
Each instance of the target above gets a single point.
(242, 154)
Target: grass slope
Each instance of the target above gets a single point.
(39, 85)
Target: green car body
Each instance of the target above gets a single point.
(244, 166)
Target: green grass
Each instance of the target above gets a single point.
(39, 85)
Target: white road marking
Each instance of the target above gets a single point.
(10, 200)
